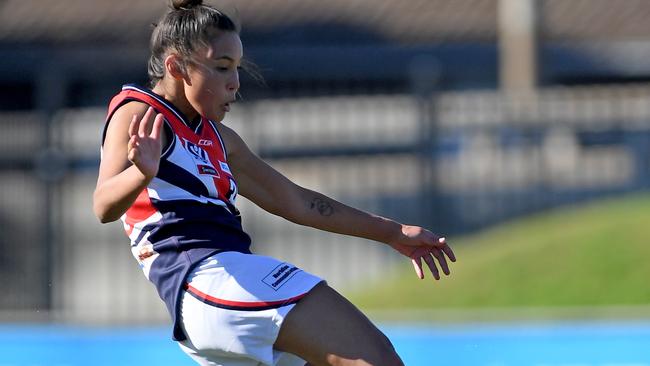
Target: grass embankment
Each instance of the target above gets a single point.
(590, 255)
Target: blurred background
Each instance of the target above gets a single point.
(519, 129)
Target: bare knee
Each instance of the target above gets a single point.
(389, 360)
(381, 354)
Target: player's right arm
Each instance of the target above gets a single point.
(130, 159)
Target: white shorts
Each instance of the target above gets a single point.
(233, 308)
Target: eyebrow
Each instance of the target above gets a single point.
(224, 58)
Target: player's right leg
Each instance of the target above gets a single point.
(324, 328)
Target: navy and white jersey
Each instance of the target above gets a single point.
(187, 212)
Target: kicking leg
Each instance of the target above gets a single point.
(324, 328)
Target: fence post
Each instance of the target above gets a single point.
(518, 44)
(639, 144)
(424, 78)
(50, 166)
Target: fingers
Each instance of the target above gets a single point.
(417, 265)
(157, 127)
(432, 266)
(442, 260)
(440, 251)
(133, 126)
(431, 255)
(447, 249)
(422, 244)
(450, 253)
(442, 245)
(139, 126)
(146, 124)
(428, 257)
(131, 148)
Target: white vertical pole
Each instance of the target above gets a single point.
(518, 39)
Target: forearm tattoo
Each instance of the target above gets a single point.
(322, 206)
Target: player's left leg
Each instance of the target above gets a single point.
(326, 329)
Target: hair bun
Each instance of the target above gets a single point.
(186, 4)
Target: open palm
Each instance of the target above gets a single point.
(145, 144)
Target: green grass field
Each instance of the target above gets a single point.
(589, 255)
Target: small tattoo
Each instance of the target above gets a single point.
(323, 207)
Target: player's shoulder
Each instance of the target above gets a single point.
(121, 118)
(129, 109)
(225, 131)
(234, 142)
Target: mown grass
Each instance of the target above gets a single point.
(594, 254)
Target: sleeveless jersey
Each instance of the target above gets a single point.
(187, 212)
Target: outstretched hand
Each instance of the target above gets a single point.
(145, 145)
(421, 244)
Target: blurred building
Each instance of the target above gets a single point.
(314, 47)
(395, 107)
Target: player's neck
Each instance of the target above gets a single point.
(176, 95)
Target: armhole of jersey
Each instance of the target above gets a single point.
(171, 139)
(110, 116)
(221, 141)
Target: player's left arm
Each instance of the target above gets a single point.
(275, 193)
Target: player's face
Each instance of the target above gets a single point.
(214, 76)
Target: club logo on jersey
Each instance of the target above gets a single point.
(224, 167)
(280, 275)
(203, 164)
(197, 152)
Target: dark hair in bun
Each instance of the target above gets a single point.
(184, 28)
(185, 4)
